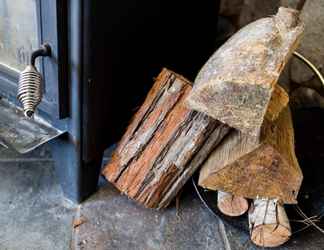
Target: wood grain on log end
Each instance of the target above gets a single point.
(236, 83)
(231, 205)
(269, 224)
(236, 144)
(250, 169)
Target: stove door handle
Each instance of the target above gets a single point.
(30, 85)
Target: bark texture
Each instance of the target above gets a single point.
(269, 224)
(236, 84)
(163, 145)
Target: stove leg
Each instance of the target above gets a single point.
(78, 179)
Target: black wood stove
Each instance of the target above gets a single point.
(84, 66)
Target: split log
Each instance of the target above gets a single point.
(231, 205)
(269, 224)
(256, 167)
(279, 100)
(236, 84)
(163, 145)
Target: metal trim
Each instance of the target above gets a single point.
(20, 133)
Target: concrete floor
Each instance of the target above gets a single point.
(33, 212)
(35, 215)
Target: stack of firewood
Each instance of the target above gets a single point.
(234, 123)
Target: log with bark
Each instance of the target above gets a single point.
(231, 205)
(236, 84)
(254, 167)
(163, 145)
(269, 224)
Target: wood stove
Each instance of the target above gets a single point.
(103, 57)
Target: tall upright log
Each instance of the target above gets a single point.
(236, 84)
(253, 168)
(163, 145)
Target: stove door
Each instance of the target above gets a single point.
(24, 26)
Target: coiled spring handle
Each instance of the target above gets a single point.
(30, 85)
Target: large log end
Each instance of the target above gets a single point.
(241, 106)
(262, 172)
(270, 235)
(248, 169)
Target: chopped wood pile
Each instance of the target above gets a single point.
(234, 122)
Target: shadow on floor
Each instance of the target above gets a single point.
(34, 215)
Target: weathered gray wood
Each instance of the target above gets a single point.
(236, 84)
(211, 143)
(161, 99)
(173, 160)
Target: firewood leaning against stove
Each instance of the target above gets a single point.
(163, 145)
(236, 83)
(166, 142)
